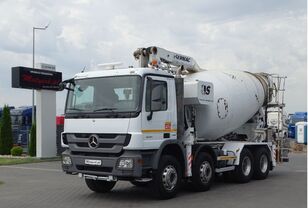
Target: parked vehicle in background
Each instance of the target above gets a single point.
(21, 118)
(10, 107)
(60, 129)
(293, 119)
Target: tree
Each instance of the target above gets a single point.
(6, 137)
(32, 145)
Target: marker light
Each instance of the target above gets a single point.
(154, 62)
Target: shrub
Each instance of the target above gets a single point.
(32, 145)
(6, 138)
(16, 151)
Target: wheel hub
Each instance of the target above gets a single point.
(246, 166)
(169, 177)
(205, 172)
(263, 163)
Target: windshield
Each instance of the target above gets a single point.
(16, 120)
(294, 119)
(104, 94)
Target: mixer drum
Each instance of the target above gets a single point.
(237, 97)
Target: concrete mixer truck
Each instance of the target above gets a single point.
(169, 122)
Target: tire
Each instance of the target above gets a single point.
(167, 178)
(203, 173)
(262, 164)
(100, 186)
(139, 183)
(244, 171)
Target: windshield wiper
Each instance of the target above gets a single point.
(103, 109)
(76, 109)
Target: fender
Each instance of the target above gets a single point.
(205, 148)
(166, 143)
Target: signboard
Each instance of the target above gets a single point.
(29, 78)
(46, 66)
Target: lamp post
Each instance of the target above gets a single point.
(33, 63)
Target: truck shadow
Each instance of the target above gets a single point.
(125, 192)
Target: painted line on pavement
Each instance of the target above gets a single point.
(301, 171)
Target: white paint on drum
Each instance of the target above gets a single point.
(237, 97)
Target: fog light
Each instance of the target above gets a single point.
(66, 160)
(126, 163)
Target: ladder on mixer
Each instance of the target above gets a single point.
(278, 90)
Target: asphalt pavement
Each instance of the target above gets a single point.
(43, 185)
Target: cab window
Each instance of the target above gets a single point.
(156, 96)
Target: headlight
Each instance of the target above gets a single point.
(66, 160)
(126, 163)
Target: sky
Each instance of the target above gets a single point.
(257, 36)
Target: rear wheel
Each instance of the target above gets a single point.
(100, 186)
(262, 164)
(244, 171)
(167, 178)
(203, 172)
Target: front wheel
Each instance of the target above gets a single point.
(203, 172)
(167, 178)
(100, 186)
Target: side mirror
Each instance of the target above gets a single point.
(63, 85)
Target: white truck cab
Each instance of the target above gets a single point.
(119, 99)
(110, 114)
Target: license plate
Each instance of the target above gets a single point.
(93, 162)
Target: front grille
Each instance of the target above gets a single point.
(92, 168)
(107, 143)
(96, 154)
(102, 145)
(105, 136)
(82, 144)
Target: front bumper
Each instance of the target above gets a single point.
(108, 166)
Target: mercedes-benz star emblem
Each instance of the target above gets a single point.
(93, 141)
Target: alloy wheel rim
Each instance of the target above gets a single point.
(263, 163)
(205, 172)
(246, 166)
(169, 177)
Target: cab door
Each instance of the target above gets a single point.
(158, 111)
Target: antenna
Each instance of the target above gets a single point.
(47, 25)
(84, 68)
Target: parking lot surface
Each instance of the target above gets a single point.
(45, 185)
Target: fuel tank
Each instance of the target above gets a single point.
(226, 100)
